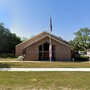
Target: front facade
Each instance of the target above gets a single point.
(37, 48)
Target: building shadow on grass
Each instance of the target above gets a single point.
(5, 65)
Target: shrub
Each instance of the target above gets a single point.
(6, 55)
(20, 58)
(4, 65)
(81, 58)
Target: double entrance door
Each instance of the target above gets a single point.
(44, 52)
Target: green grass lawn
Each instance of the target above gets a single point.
(8, 59)
(44, 80)
(46, 64)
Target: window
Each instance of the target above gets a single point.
(40, 48)
(46, 47)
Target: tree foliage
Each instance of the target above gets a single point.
(8, 40)
(82, 39)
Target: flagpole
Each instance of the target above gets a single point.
(50, 47)
(50, 50)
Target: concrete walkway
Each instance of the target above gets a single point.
(44, 69)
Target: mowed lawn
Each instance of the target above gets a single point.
(44, 80)
(8, 59)
(42, 64)
(45, 64)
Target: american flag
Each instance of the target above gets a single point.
(50, 23)
(50, 50)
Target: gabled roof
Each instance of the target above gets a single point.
(46, 34)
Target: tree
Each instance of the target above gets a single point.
(82, 39)
(23, 39)
(8, 40)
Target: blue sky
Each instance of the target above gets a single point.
(31, 17)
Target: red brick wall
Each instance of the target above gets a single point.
(62, 52)
(20, 47)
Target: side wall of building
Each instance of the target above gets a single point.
(63, 53)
